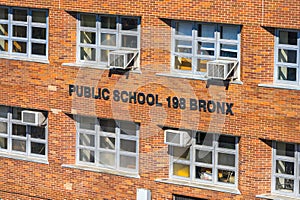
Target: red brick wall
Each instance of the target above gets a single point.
(260, 114)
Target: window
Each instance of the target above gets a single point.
(180, 197)
(107, 143)
(24, 33)
(211, 159)
(99, 35)
(286, 165)
(287, 57)
(18, 139)
(194, 44)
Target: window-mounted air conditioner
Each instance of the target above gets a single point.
(221, 69)
(177, 138)
(33, 118)
(121, 59)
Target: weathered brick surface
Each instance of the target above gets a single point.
(260, 114)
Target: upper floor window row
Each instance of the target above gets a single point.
(287, 62)
(106, 40)
(24, 32)
(195, 44)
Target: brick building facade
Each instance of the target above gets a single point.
(106, 81)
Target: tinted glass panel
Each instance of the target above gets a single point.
(87, 53)
(3, 13)
(229, 32)
(285, 149)
(128, 145)
(19, 130)
(3, 45)
(287, 73)
(204, 156)
(19, 15)
(184, 28)
(128, 162)
(19, 145)
(108, 22)
(4, 29)
(107, 142)
(87, 123)
(108, 39)
(19, 47)
(283, 167)
(20, 31)
(38, 148)
(87, 140)
(227, 142)
(3, 127)
(107, 158)
(38, 33)
(287, 56)
(204, 139)
(286, 37)
(128, 128)
(129, 41)
(129, 24)
(181, 153)
(3, 143)
(38, 132)
(86, 155)
(226, 159)
(88, 20)
(108, 125)
(4, 111)
(87, 37)
(39, 16)
(206, 30)
(38, 49)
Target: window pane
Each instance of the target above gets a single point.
(107, 158)
(206, 30)
(104, 55)
(4, 29)
(38, 49)
(283, 167)
(226, 159)
(287, 56)
(286, 37)
(107, 142)
(285, 149)
(228, 51)
(3, 45)
(87, 140)
(226, 141)
(201, 65)
(127, 128)
(3, 111)
(86, 155)
(3, 13)
(229, 32)
(19, 47)
(183, 46)
(128, 162)
(87, 123)
(204, 139)
(129, 41)
(128, 145)
(108, 39)
(206, 49)
(108, 125)
(3, 127)
(38, 33)
(16, 113)
(87, 53)
(130, 24)
(181, 170)
(20, 31)
(204, 173)
(226, 176)
(19, 15)
(204, 156)
(108, 22)
(181, 153)
(19, 130)
(38, 132)
(39, 16)
(287, 73)
(19, 145)
(285, 185)
(88, 20)
(87, 37)
(183, 63)
(183, 28)
(38, 148)
(3, 143)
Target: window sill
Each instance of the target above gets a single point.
(95, 66)
(23, 158)
(200, 185)
(193, 77)
(15, 57)
(280, 86)
(275, 197)
(101, 170)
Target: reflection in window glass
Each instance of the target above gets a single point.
(183, 28)
(108, 22)
(19, 130)
(286, 37)
(127, 128)
(88, 37)
(129, 24)
(108, 125)
(108, 39)
(285, 149)
(3, 45)
(19, 47)
(129, 41)
(284, 167)
(37, 132)
(181, 153)
(87, 123)
(287, 73)
(206, 30)
(3, 143)
(128, 145)
(4, 111)
(107, 158)
(104, 55)
(87, 140)
(19, 145)
(88, 20)
(229, 32)
(39, 16)
(88, 53)
(38, 49)
(86, 155)
(285, 185)
(20, 31)
(19, 15)
(204, 156)
(128, 162)
(4, 29)
(204, 139)
(38, 33)
(107, 142)
(3, 127)
(287, 56)
(38, 148)
(226, 159)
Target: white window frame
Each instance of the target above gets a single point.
(98, 47)
(215, 167)
(28, 39)
(216, 40)
(295, 177)
(27, 155)
(286, 64)
(97, 149)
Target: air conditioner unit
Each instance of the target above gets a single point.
(121, 59)
(177, 138)
(221, 69)
(33, 118)
(143, 194)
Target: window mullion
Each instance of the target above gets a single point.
(117, 129)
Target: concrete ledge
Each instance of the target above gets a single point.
(287, 87)
(275, 197)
